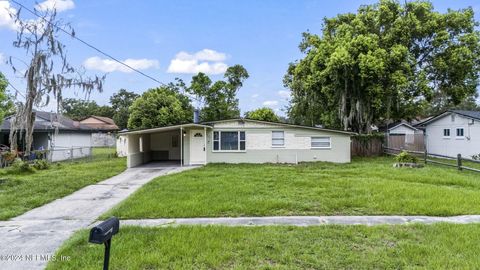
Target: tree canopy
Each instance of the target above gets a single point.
(159, 107)
(5, 102)
(121, 101)
(262, 114)
(219, 99)
(387, 61)
(78, 109)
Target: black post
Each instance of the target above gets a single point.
(106, 258)
(459, 162)
(425, 157)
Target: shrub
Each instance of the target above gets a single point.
(20, 166)
(405, 157)
(9, 156)
(41, 164)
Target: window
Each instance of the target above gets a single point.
(140, 144)
(446, 132)
(174, 141)
(278, 138)
(229, 141)
(460, 133)
(321, 142)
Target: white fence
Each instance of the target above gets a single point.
(68, 153)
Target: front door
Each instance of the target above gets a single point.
(197, 146)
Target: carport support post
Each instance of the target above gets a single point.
(205, 143)
(181, 146)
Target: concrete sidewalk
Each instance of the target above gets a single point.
(27, 241)
(303, 220)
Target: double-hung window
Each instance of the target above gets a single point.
(460, 133)
(278, 138)
(446, 133)
(229, 141)
(321, 142)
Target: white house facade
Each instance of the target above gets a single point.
(234, 141)
(404, 129)
(62, 137)
(452, 133)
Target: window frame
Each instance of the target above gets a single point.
(321, 147)
(239, 141)
(456, 133)
(283, 138)
(449, 133)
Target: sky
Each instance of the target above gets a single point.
(177, 39)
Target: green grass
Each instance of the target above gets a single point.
(440, 246)
(369, 186)
(22, 192)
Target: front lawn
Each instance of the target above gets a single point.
(369, 186)
(24, 191)
(440, 246)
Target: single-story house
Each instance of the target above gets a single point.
(453, 132)
(234, 141)
(403, 128)
(61, 136)
(105, 129)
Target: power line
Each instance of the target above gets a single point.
(18, 92)
(89, 45)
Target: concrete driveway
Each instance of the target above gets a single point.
(28, 241)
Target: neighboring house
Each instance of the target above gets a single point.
(403, 128)
(235, 141)
(453, 132)
(105, 130)
(63, 137)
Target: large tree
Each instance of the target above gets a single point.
(159, 107)
(121, 101)
(47, 71)
(387, 61)
(262, 114)
(78, 109)
(219, 99)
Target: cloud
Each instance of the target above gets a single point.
(2, 58)
(107, 65)
(284, 94)
(255, 95)
(270, 103)
(206, 61)
(5, 19)
(59, 5)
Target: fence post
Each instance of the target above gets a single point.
(71, 154)
(425, 156)
(459, 162)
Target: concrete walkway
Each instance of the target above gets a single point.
(27, 241)
(303, 220)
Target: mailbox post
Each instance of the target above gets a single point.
(102, 234)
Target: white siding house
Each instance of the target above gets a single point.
(235, 141)
(62, 137)
(404, 129)
(453, 132)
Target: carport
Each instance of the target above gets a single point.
(180, 144)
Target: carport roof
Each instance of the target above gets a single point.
(160, 129)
